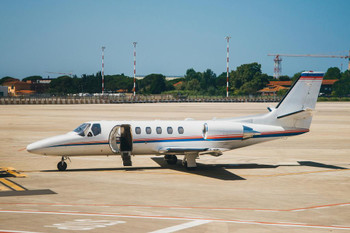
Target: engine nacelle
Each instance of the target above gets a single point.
(222, 129)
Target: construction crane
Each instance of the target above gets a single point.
(69, 74)
(278, 66)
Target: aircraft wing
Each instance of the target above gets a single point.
(198, 150)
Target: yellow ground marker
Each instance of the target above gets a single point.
(12, 171)
(4, 188)
(11, 184)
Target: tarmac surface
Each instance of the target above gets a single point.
(301, 184)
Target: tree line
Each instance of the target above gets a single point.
(247, 79)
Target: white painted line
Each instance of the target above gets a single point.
(179, 208)
(61, 205)
(298, 210)
(18, 231)
(324, 207)
(267, 210)
(180, 218)
(181, 226)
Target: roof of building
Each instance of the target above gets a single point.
(25, 92)
(329, 81)
(272, 88)
(280, 83)
(178, 83)
(289, 83)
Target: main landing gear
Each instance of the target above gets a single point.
(189, 161)
(170, 159)
(62, 165)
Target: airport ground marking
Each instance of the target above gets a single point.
(12, 185)
(182, 207)
(297, 173)
(182, 226)
(239, 221)
(84, 224)
(14, 231)
(12, 172)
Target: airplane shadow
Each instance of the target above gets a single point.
(216, 171)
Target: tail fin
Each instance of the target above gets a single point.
(296, 107)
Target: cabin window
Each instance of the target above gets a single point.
(148, 130)
(138, 130)
(96, 129)
(159, 130)
(180, 129)
(170, 130)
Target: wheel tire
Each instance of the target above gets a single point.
(171, 159)
(62, 166)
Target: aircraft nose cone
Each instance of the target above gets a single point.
(32, 147)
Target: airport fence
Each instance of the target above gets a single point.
(131, 99)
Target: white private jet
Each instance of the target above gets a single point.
(190, 138)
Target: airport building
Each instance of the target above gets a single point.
(274, 86)
(3, 91)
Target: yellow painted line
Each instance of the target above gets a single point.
(12, 171)
(11, 184)
(3, 188)
(297, 173)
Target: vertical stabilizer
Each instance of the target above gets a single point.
(295, 108)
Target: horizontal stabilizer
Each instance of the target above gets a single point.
(301, 114)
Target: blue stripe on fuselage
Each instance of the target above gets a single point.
(191, 139)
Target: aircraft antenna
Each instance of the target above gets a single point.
(103, 73)
(134, 89)
(227, 61)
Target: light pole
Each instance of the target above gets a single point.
(227, 61)
(134, 43)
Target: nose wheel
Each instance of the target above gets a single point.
(62, 165)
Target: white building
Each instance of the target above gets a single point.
(4, 91)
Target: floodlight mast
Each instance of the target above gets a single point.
(103, 73)
(134, 89)
(227, 63)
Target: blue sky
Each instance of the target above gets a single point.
(37, 36)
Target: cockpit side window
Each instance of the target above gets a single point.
(80, 130)
(96, 129)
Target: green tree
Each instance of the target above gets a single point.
(296, 76)
(7, 79)
(193, 85)
(208, 79)
(342, 87)
(248, 79)
(284, 78)
(153, 84)
(192, 74)
(32, 78)
(65, 85)
(116, 82)
(332, 73)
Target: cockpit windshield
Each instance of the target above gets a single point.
(81, 129)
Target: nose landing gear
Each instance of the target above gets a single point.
(62, 165)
